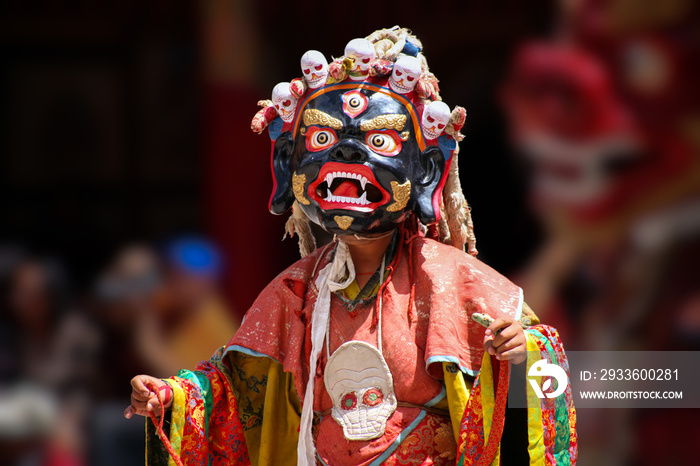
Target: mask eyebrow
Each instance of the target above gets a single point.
(317, 117)
(389, 121)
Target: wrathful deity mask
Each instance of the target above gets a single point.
(363, 142)
(363, 173)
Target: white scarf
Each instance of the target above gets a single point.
(328, 281)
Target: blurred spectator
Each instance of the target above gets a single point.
(45, 354)
(197, 322)
(126, 294)
(166, 309)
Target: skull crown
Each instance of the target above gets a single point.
(376, 107)
(391, 58)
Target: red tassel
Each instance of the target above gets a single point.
(410, 234)
(412, 297)
(159, 425)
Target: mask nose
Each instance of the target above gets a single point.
(349, 151)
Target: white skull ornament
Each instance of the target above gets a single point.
(284, 101)
(362, 53)
(315, 68)
(405, 74)
(360, 384)
(435, 117)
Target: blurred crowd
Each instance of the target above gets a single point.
(65, 360)
(605, 118)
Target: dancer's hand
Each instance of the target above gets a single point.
(143, 396)
(505, 339)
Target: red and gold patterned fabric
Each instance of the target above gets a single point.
(431, 442)
(220, 441)
(551, 421)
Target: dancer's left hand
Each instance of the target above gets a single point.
(505, 339)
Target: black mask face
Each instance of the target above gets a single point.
(355, 165)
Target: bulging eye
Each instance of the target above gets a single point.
(410, 78)
(365, 60)
(398, 73)
(307, 71)
(318, 67)
(441, 126)
(383, 143)
(430, 119)
(318, 139)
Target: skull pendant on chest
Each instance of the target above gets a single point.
(361, 387)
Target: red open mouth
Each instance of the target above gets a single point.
(349, 187)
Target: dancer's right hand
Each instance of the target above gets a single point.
(143, 396)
